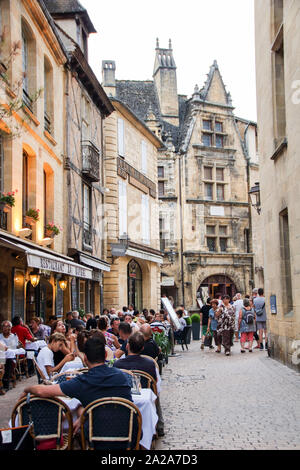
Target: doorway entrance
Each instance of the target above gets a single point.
(218, 284)
(134, 280)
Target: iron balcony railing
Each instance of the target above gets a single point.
(27, 100)
(90, 161)
(47, 123)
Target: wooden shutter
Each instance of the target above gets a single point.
(122, 208)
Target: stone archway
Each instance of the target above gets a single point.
(218, 284)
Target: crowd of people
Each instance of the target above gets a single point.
(240, 319)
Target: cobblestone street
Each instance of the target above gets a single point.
(210, 401)
(244, 401)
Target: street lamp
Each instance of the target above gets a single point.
(255, 197)
(171, 255)
(34, 277)
(63, 283)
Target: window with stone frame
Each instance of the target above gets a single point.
(161, 172)
(219, 141)
(220, 192)
(211, 244)
(207, 124)
(206, 140)
(217, 238)
(223, 244)
(218, 126)
(214, 183)
(161, 188)
(208, 191)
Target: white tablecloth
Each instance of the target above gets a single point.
(12, 353)
(76, 364)
(35, 345)
(145, 403)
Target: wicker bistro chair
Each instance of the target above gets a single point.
(64, 376)
(147, 381)
(111, 424)
(47, 415)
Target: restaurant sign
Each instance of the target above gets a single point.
(59, 266)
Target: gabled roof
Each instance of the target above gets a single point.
(214, 78)
(69, 8)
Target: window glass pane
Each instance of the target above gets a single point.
(220, 174)
(223, 244)
(86, 205)
(219, 141)
(207, 124)
(219, 126)
(223, 230)
(220, 192)
(210, 229)
(161, 172)
(161, 188)
(208, 191)
(211, 244)
(207, 173)
(206, 140)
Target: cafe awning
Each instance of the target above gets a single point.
(43, 260)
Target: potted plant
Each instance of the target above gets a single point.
(32, 216)
(7, 200)
(52, 230)
(162, 340)
(189, 323)
(195, 318)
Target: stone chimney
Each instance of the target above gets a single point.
(108, 77)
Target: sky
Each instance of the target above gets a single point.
(201, 31)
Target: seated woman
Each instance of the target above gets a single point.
(68, 346)
(39, 331)
(45, 358)
(111, 340)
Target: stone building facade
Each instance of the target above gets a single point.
(86, 107)
(44, 157)
(131, 214)
(277, 38)
(205, 172)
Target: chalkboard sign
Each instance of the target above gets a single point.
(74, 294)
(273, 304)
(173, 316)
(59, 307)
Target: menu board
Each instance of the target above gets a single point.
(173, 317)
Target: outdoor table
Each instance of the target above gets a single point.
(12, 353)
(145, 403)
(35, 345)
(72, 365)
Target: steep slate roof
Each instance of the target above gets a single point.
(141, 97)
(65, 8)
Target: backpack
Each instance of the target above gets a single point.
(249, 317)
(259, 312)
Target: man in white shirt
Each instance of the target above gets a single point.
(45, 358)
(10, 340)
(237, 306)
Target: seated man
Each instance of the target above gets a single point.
(134, 361)
(124, 333)
(156, 325)
(100, 381)
(114, 326)
(8, 340)
(45, 358)
(21, 331)
(150, 346)
(182, 322)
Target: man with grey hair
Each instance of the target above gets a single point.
(76, 321)
(8, 340)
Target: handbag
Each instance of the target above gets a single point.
(208, 339)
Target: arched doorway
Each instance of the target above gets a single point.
(134, 280)
(217, 284)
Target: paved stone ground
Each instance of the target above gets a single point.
(244, 401)
(211, 401)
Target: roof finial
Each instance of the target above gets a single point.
(170, 44)
(157, 43)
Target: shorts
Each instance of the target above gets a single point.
(261, 325)
(247, 336)
(204, 330)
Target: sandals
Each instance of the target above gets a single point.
(243, 351)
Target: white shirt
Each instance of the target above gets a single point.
(11, 342)
(182, 323)
(45, 358)
(237, 306)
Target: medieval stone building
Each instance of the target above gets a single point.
(205, 170)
